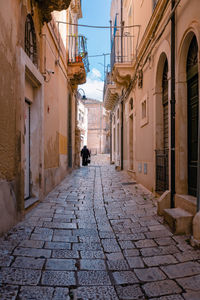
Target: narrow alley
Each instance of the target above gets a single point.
(97, 236)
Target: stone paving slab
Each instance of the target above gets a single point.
(8, 292)
(34, 263)
(36, 292)
(96, 293)
(93, 237)
(159, 288)
(93, 278)
(20, 276)
(60, 264)
(58, 278)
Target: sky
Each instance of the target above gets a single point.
(96, 12)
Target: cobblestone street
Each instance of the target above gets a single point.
(97, 236)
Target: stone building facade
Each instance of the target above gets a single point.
(152, 92)
(82, 121)
(39, 77)
(98, 134)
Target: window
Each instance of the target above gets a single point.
(144, 111)
(30, 46)
(131, 104)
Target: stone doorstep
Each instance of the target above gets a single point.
(179, 220)
(30, 202)
(186, 202)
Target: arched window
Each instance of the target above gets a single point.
(30, 46)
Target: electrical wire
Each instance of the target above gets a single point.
(99, 55)
(95, 26)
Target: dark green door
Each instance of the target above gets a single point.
(162, 169)
(193, 113)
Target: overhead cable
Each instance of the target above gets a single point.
(99, 55)
(94, 26)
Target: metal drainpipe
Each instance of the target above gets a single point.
(110, 41)
(173, 101)
(122, 136)
(122, 30)
(110, 137)
(198, 170)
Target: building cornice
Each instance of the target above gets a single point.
(152, 26)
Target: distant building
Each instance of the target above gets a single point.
(82, 121)
(98, 135)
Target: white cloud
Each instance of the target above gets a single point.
(94, 86)
(96, 73)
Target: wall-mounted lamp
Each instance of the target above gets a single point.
(83, 94)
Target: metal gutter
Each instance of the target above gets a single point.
(173, 102)
(122, 135)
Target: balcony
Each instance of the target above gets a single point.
(122, 59)
(111, 92)
(78, 64)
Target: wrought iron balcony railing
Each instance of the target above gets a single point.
(122, 49)
(78, 51)
(108, 79)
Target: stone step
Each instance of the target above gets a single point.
(179, 220)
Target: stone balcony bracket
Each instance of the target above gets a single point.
(48, 6)
(111, 96)
(76, 73)
(122, 74)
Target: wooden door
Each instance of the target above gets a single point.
(193, 113)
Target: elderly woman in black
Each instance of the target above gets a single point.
(85, 153)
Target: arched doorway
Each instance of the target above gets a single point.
(193, 112)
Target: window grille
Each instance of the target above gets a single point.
(30, 46)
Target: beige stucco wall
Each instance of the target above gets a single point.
(147, 134)
(57, 92)
(12, 94)
(48, 95)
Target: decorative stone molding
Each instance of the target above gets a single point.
(122, 73)
(48, 6)
(111, 96)
(76, 73)
(75, 6)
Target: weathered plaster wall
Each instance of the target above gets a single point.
(9, 113)
(57, 90)
(12, 93)
(8, 90)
